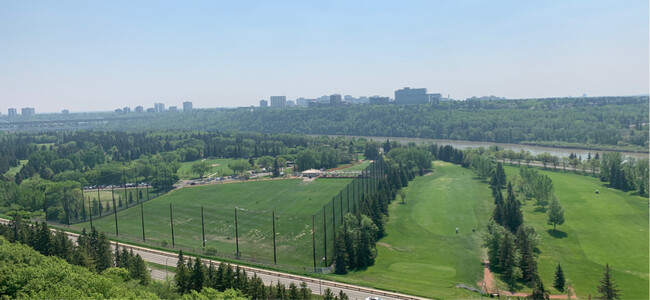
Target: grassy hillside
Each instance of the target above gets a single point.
(608, 227)
(422, 253)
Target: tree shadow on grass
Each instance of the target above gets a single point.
(557, 233)
(540, 209)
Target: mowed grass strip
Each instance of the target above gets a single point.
(422, 254)
(293, 200)
(608, 227)
(220, 165)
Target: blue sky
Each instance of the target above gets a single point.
(92, 55)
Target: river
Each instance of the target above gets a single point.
(535, 150)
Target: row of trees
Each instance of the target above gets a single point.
(192, 278)
(92, 250)
(355, 240)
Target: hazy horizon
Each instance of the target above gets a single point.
(96, 56)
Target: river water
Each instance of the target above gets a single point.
(535, 150)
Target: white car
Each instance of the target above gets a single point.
(373, 298)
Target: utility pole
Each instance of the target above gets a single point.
(202, 227)
(313, 239)
(275, 260)
(236, 234)
(171, 218)
(117, 233)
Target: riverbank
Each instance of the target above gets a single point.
(559, 151)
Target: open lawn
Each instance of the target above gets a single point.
(220, 165)
(353, 167)
(293, 200)
(13, 170)
(608, 227)
(422, 254)
(106, 197)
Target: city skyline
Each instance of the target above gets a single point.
(101, 56)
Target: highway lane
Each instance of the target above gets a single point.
(316, 285)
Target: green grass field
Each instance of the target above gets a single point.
(294, 202)
(220, 165)
(608, 227)
(422, 254)
(106, 197)
(13, 170)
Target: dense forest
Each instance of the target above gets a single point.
(601, 123)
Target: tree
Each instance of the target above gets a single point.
(607, 288)
(539, 292)
(276, 168)
(559, 281)
(182, 276)
(341, 255)
(197, 278)
(239, 166)
(343, 296)
(328, 294)
(555, 213)
(305, 293)
(402, 196)
(200, 168)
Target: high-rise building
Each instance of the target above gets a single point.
(119, 111)
(173, 109)
(65, 112)
(126, 110)
(27, 111)
(415, 96)
(139, 109)
(151, 110)
(264, 103)
(335, 99)
(302, 102)
(187, 106)
(12, 112)
(159, 107)
(279, 101)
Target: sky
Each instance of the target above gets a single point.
(101, 55)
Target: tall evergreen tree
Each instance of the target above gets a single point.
(513, 216)
(305, 293)
(341, 254)
(197, 277)
(539, 292)
(499, 214)
(559, 281)
(182, 276)
(608, 288)
(293, 291)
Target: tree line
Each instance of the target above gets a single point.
(601, 122)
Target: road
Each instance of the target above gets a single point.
(316, 285)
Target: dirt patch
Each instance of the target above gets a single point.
(391, 247)
(216, 165)
(489, 286)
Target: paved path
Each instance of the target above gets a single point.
(169, 259)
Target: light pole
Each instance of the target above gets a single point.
(320, 278)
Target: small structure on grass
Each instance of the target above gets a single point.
(311, 173)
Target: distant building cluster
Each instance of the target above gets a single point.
(157, 108)
(25, 112)
(491, 97)
(404, 96)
